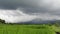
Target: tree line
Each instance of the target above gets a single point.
(57, 23)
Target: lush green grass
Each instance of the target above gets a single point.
(27, 29)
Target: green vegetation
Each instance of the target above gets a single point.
(2, 21)
(28, 29)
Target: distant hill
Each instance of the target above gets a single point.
(41, 22)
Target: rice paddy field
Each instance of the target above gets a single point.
(28, 29)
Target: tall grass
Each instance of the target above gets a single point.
(26, 29)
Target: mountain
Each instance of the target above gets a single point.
(40, 21)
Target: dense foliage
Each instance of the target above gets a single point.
(2, 21)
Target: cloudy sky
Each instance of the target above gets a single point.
(28, 10)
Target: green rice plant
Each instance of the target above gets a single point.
(26, 29)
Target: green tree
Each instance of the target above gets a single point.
(2, 21)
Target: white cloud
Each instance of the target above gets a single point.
(50, 4)
(15, 16)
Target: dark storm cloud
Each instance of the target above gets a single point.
(13, 4)
(28, 6)
(8, 4)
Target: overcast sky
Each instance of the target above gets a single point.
(28, 10)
